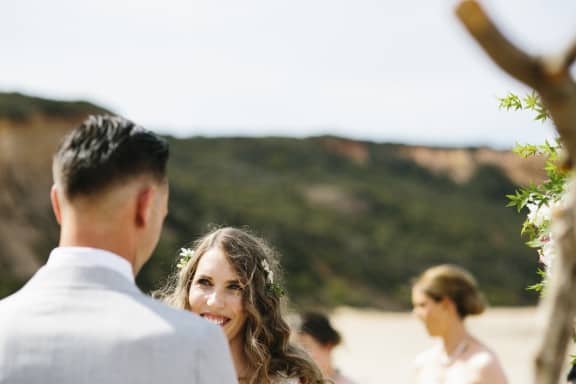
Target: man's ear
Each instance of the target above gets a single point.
(56, 204)
(144, 205)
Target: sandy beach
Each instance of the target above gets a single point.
(380, 346)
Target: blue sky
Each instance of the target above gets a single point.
(401, 71)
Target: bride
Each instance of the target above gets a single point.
(230, 278)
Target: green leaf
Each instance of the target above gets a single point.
(510, 101)
(538, 287)
(532, 100)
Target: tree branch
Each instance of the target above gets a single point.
(559, 303)
(550, 77)
(512, 60)
(570, 55)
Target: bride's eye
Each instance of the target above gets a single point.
(235, 287)
(203, 282)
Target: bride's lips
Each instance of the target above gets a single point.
(216, 319)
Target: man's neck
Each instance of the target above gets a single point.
(106, 240)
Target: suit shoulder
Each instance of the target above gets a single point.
(182, 321)
(9, 303)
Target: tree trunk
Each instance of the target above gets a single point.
(550, 77)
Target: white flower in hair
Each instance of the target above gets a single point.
(274, 288)
(269, 273)
(185, 256)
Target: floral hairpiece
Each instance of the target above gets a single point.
(187, 253)
(185, 256)
(273, 287)
(269, 273)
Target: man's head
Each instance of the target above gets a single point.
(110, 187)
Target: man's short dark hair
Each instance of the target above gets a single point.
(107, 150)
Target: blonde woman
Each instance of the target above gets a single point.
(230, 277)
(443, 297)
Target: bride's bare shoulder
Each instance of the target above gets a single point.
(485, 362)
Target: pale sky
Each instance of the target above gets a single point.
(389, 71)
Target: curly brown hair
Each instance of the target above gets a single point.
(266, 334)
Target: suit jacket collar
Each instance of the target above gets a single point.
(90, 257)
(73, 277)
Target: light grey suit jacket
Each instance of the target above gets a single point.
(74, 325)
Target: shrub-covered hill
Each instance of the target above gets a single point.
(18, 107)
(354, 221)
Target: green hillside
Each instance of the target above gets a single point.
(354, 221)
(349, 233)
(18, 107)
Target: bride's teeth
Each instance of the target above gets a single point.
(217, 321)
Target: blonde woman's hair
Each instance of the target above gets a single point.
(266, 333)
(454, 283)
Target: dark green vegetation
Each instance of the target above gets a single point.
(18, 107)
(353, 221)
(349, 233)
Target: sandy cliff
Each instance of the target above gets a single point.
(26, 147)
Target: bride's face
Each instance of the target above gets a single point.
(216, 293)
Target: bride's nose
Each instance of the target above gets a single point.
(215, 299)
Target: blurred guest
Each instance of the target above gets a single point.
(572, 375)
(319, 339)
(443, 296)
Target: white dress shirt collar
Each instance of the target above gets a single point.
(90, 257)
